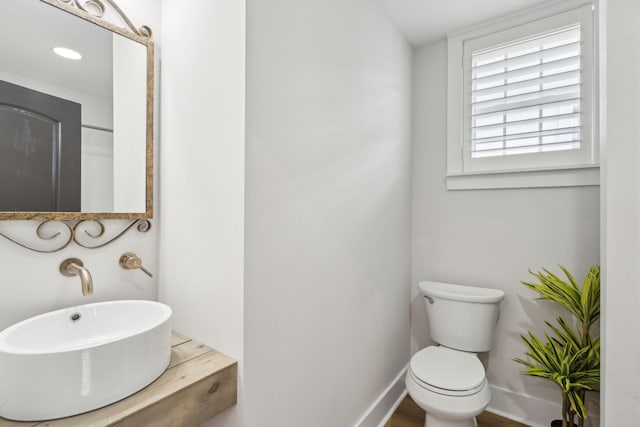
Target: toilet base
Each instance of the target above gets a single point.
(448, 411)
(432, 421)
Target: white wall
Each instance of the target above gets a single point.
(202, 173)
(97, 171)
(31, 283)
(327, 211)
(129, 124)
(490, 237)
(621, 211)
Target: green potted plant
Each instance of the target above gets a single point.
(569, 354)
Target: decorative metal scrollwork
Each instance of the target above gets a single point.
(94, 7)
(89, 234)
(97, 9)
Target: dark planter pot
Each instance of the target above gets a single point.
(558, 423)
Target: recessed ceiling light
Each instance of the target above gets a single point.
(67, 53)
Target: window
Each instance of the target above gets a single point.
(525, 96)
(522, 102)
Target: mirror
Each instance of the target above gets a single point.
(76, 135)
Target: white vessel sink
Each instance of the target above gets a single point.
(81, 358)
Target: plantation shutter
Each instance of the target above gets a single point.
(526, 95)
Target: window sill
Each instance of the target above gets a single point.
(578, 176)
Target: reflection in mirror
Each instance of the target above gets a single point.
(38, 173)
(75, 134)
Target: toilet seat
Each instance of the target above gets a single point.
(447, 371)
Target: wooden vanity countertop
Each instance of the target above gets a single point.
(198, 384)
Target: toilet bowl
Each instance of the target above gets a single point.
(450, 385)
(448, 380)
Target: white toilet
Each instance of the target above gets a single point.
(448, 381)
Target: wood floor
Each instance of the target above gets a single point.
(409, 414)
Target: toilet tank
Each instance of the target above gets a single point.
(461, 317)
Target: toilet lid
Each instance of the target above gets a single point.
(448, 369)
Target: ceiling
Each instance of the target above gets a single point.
(423, 21)
(29, 32)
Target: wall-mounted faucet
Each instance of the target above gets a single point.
(131, 261)
(74, 267)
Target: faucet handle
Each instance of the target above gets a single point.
(131, 261)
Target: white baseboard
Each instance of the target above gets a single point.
(528, 410)
(381, 410)
(522, 408)
(394, 407)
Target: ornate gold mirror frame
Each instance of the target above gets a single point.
(94, 11)
(59, 229)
